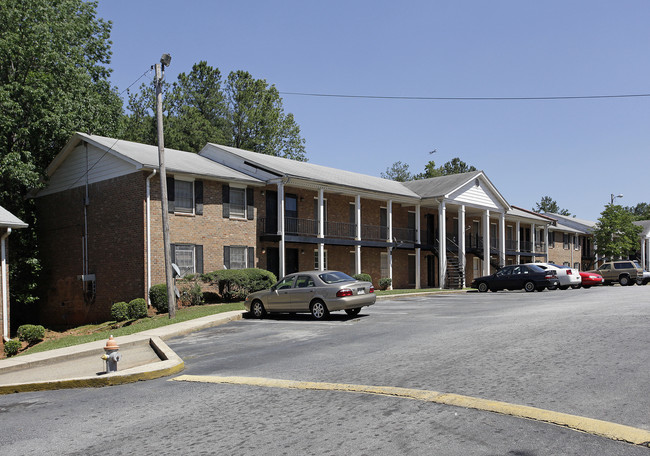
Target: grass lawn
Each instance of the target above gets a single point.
(91, 333)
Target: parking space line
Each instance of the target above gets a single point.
(592, 426)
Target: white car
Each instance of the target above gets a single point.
(568, 277)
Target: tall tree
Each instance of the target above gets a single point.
(549, 205)
(615, 235)
(242, 112)
(640, 212)
(53, 82)
(398, 171)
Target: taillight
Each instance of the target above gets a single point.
(372, 289)
(549, 276)
(343, 292)
(568, 272)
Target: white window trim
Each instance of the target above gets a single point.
(243, 188)
(190, 180)
(324, 259)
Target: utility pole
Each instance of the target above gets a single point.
(160, 72)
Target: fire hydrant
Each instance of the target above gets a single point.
(111, 355)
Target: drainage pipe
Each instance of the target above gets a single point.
(5, 284)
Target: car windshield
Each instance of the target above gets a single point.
(335, 277)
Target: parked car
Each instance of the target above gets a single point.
(317, 292)
(567, 276)
(644, 279)
(529, 277)
(625, 272)
(589, 279)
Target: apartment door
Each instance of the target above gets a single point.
(273, 261)
(291, 264)
(431, 271)
(271, 212)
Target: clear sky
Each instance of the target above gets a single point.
(576, 151)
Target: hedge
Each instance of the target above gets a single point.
(158, 298)
(31, 333)
(362, 277)
(137, 308)
(120, 311)
(236, 284)
(385, 283)
(11, 347)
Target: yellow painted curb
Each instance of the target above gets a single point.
(592, 426)
(92, 382)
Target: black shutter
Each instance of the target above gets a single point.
(251, 257)
(172, 250)
(198, 197)
(170, 195)
(198, 259)
(250, 204)
(226, 256)
(226, 201)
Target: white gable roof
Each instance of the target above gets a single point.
(7, 219)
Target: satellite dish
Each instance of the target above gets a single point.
(176, 272)
(177, 293)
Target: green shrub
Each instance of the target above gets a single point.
(120, 311)
(385, 283)
(191, 294)
(137, 308)
(31, 333)
(363, 277)
(158, 297)
(236, 284)
(11, 347)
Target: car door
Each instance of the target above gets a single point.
(502, 278)
(302, 293)
(606, 271)
(279, 300)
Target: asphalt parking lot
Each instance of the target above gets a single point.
(578, 352)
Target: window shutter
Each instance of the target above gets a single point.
(226, 200)
(198, 197)
(250, 204)
(170, 195)
(198, 258)
(251, 257)
(172, 250)
(226, 256)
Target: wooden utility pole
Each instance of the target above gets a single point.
(171, 297)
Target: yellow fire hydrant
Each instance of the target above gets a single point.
(111, 355)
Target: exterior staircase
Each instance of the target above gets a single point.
(455, 274)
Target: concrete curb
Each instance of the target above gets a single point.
(170, 363)
(424, 293)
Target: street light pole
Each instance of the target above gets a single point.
(169, 279)
(613, 197)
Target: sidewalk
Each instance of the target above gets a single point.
(145, 356)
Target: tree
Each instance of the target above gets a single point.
(398, 171)
(53, 82)
(549, 205)
(615, 235)
(199, 108)
(640, 212)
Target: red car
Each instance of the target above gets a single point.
(590, 279)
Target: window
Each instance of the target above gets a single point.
(304, 282)
(237, 202)
(576, 265)
(551, 239)
(188, 258)
(576, 242)
(565, 241)
(316, 260)
(383, 265)
(566, 263)
(184, 196)
(238, 257)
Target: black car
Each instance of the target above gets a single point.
(529, 277)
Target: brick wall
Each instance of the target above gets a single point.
(116, 227)
(560, 255)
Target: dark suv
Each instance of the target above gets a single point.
(625, 272)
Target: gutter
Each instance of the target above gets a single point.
(149, 234)
(5, 280)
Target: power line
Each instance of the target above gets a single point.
(136, 81)
(387, 97)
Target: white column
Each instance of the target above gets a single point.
(532, 238)
(281, 227)
(442, 244)
(546, 241)
(647, 254)
(321, 230)
(486, 242)
(518, 237)
(389, 235)
(417, 248)
(462, 260)
(357, 221)
(502, 239)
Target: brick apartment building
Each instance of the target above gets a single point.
(8, 222)
(101, 238)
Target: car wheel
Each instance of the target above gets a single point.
(353, 312)
(624, 281)
(257, 309)
(482, 287)
(529, 286)
(552, 287)
(575, 287)
(586, 287)
(319, 310)
(564, 287)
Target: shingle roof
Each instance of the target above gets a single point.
(319, 173)
(175, 160)
(579, 224)
(519, 212)
(440, 186)
(7, 219)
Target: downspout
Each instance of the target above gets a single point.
(4, 278)
(149, 234)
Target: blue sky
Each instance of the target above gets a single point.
(576, 151)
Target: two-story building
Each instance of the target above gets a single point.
(101, 238)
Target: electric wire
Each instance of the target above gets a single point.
(389, 97)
